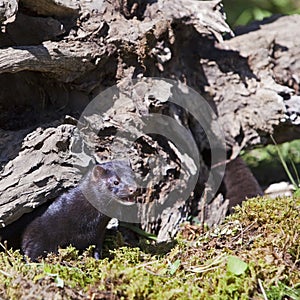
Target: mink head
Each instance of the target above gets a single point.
(115, 179)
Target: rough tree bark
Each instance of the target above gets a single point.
(56, 56)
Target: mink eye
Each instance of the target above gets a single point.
(116, 182)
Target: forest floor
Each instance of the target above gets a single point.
(254, 254)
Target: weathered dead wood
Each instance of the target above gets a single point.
(65, 61)
(10, 144)
(247, 79)
(36, 31)
(69, 58)
(248, 75)
(48, 157)
(255, 84)
(205, 16)
(44, 165)
(8, 9)
(60, 9)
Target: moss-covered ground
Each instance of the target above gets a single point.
(255, 254)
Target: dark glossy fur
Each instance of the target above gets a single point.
(71, 219)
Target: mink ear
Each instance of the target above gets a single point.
(97, 172)
(125, 161)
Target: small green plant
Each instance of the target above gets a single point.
(294, 181)
(139, 231)
(236, 266)
(275, 163)
(241, 12)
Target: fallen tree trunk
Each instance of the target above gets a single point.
(249, 80)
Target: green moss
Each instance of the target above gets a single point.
(257, 249)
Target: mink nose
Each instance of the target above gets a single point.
(132, 190)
